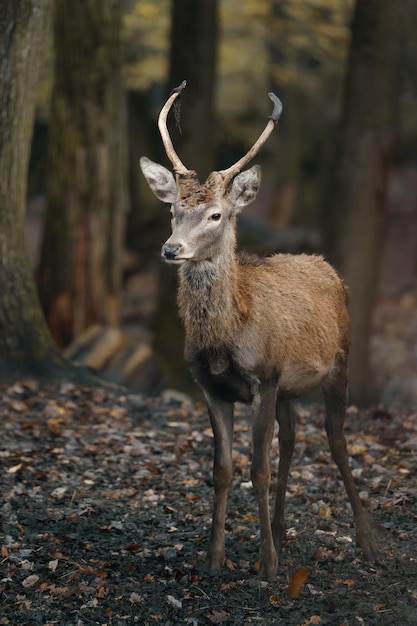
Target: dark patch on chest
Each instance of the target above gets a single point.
(217, 373)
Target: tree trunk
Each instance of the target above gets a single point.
(80, 267)
(356, 210)
(193, 57)
(26, 346)
(194, 34)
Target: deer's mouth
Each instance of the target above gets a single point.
(175, 261)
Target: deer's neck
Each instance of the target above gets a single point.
(206, 301)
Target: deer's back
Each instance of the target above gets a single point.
(294, 319)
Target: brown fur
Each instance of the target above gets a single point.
(269, 323)
(259, 331)
(191, 193)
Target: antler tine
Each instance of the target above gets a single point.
(229, 173)
(179, 167)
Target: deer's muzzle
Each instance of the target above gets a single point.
(170, 252)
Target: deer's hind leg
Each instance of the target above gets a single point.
(262, 432)
(286, 420)
(335, 396)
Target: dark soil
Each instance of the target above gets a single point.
(106, 507)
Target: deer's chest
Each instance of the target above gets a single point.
(217, 373)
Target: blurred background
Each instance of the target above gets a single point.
(339, 171)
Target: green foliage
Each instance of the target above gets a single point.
(146, 26)
(283, 41)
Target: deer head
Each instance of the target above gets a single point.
(203, 216)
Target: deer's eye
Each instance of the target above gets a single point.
(215, 217)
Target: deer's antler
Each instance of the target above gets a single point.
(178, 166)
(231, 172)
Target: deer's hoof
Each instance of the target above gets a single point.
(214, 563)
(268, 569)
(366, 542)
(268, 573)
(369, 549)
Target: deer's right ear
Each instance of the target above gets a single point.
(245, 187)
(160, 180)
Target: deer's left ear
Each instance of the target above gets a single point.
(245, 187)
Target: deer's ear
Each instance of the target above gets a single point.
(245, 187)
(160, 180)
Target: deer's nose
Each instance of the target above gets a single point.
(170, 251)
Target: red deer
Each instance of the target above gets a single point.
(257, 330)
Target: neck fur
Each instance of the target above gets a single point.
(206, 301)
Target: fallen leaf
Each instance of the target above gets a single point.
(314, 619)
(297, 582)
(217, 617)
(275, 600)
(174, 602)
(54, 426)
(135, 598)
(59, 492)
(30, 581)
(19, 406)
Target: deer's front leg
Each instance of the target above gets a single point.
(263, 429)
(221, 418)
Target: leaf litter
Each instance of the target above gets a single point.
(106, 508)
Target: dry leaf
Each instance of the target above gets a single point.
(30, 581)
(135, 598)
(15, 468)
(314, 619)
(59, 492)
(19, 406)
(174, 602)
(217, 617)
(275, 599)
(54, 426)
(52, 565)
(297, 582)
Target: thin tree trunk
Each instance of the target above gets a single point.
(356, 210)
(193, 56)
(194, 35)
(80, 268)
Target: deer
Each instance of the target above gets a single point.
(259, 331)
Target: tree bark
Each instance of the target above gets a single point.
(80, 267)
(356, 209)
(193, 56)
(26, 347)
(194, 34)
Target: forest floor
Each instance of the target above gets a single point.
(106, 498)
(106, 507)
